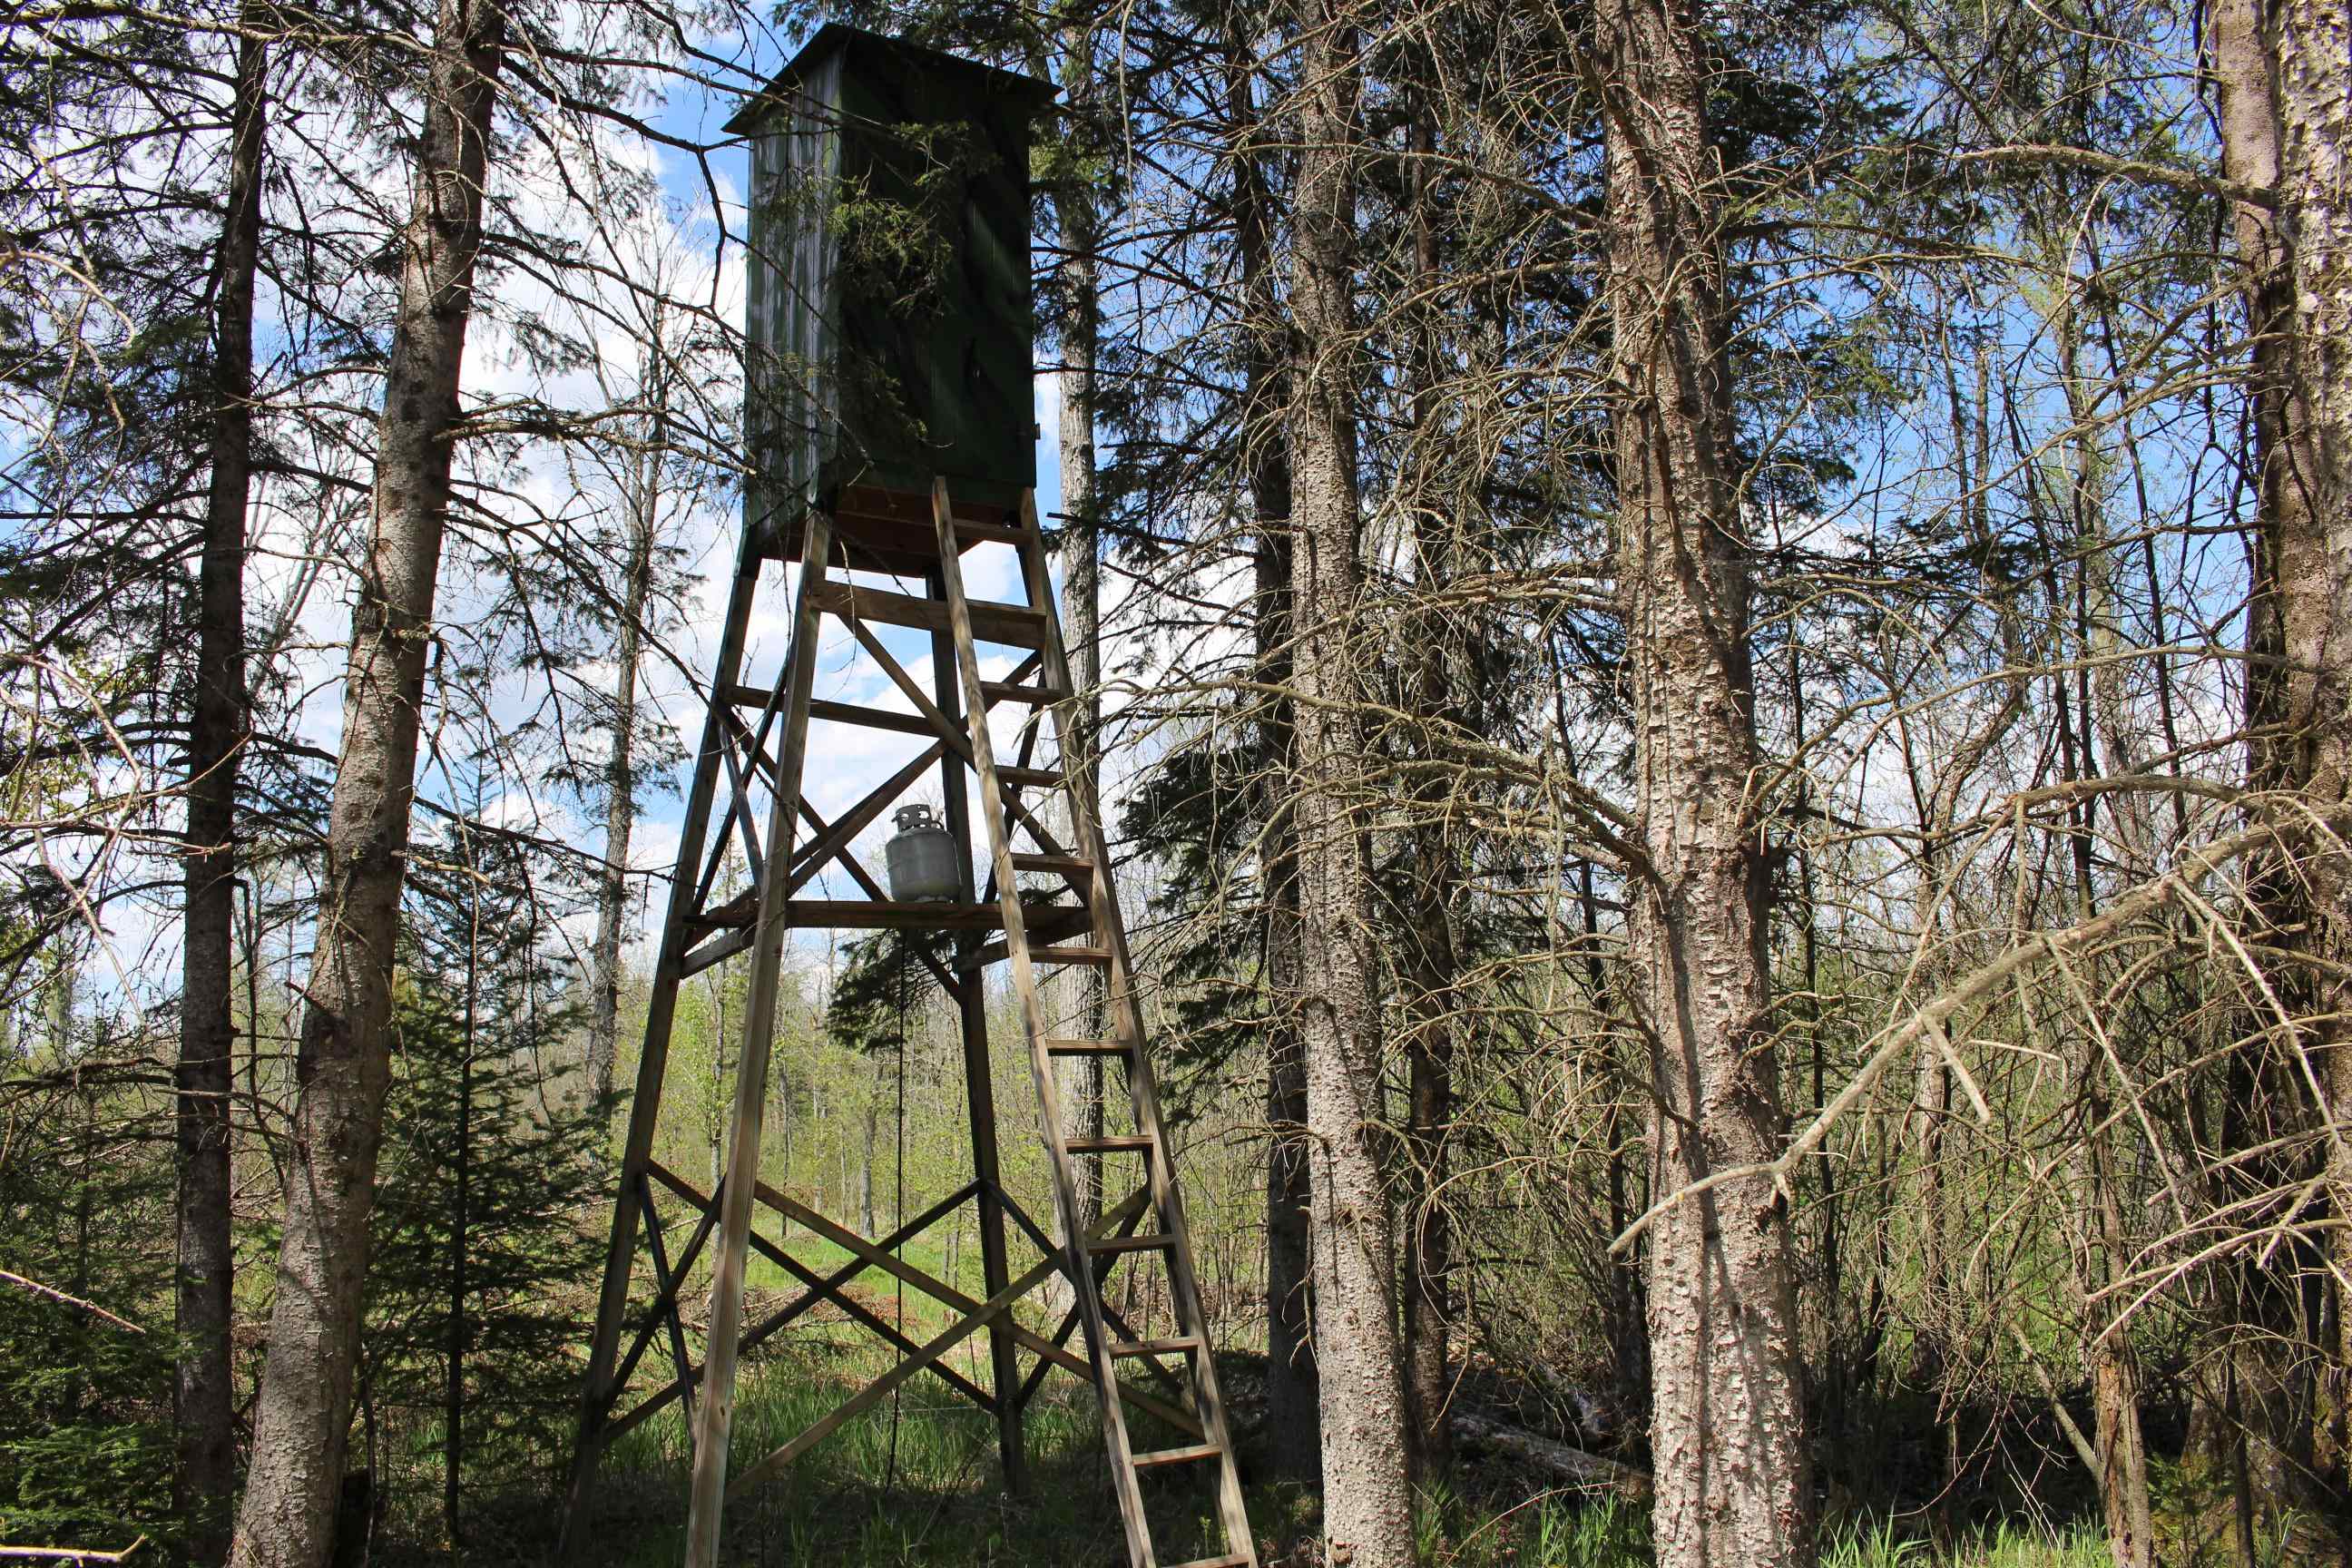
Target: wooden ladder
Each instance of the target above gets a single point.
(1084, 865)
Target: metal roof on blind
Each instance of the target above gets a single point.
(839, 38)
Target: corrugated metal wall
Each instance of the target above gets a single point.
(789, 412)
(867, 367)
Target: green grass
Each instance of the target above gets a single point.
(875, 1289)
(913, 1481)
(919, 1486)
(1545, 1530)
(916, 1482)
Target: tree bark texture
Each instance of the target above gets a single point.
(342, 1065)
(1293, 1441)
(2314, 50)
(1727, 1427)
(2103, 1252)
(206, 1474)
(1367, 1500)
(2281, 78)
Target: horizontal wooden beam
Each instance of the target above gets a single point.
(742, 696)
(869, 718)
(865, 914)
(1041, 933)
(997, 692)
(1015, 626)
(889, 529)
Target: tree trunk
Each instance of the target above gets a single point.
(1430, 958)
(865, 1165)
(1366, 1501)
(2115, 1372)
(205, 1475)
(1081, 591)
(2102, 1246)
(620, 770)
(77, 1382)
(2280, 131)
(1293, 1405)
(1727, 1427)
(2314, 42)
(342, 1065)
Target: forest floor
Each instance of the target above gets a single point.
(914, 1481)
(914, 1485)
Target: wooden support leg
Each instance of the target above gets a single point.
(645, 1106)
(980, 1091)
(714, 1417)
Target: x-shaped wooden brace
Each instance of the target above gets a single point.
(977, 1315)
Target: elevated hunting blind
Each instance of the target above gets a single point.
(891, 435)
(888, 311)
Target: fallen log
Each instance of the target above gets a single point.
(1575, 1466)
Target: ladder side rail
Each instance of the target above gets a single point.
(1076, 1259)
(1142, 1087)
(714, 1417)
(652, 1060)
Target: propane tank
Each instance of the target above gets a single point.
(921, 858)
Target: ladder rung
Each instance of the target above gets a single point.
(1006, 691)
(1117, 1144)
(1177, 1457)
(1096, 956)
(1086, 1048)
(1231, 1560)
(1156, 1347)
(1029, 778)
(1068, 919)
(1062, 865)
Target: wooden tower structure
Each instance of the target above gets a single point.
(869, 516)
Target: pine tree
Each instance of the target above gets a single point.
(490, 1164)
(1368, 1503)
(304, 1415)
(86, 1382)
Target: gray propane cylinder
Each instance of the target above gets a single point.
(921, 858)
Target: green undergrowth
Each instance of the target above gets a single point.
(916, 1481)
(913, 1479)
(1481, 1521)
